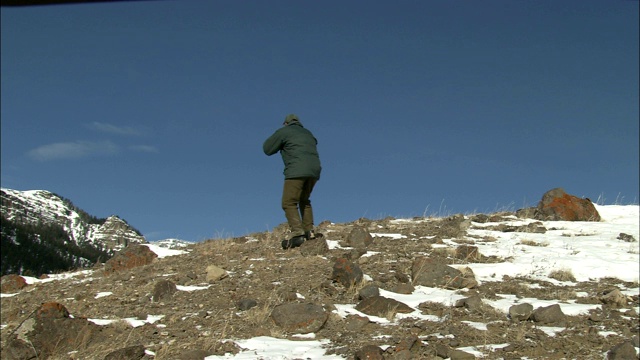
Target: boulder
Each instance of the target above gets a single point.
(163, 290)
(520, 312)
(359, 238)
(551, 314)
(314, 247)
(369, 352)
(622, 351)
(433, 273)
(346, 272)
(381, 306)
(52, 310)
(246, 304)
(215, 273)
(299, 318)
(557, 205)
(130, 257)
(12, 283)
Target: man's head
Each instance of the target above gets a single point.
(291, 118)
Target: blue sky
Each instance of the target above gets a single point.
(156, 111)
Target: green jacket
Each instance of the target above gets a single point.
(297, 146)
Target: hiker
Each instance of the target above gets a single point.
(297, 146)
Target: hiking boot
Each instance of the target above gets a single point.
(310, 235)
(293, 242)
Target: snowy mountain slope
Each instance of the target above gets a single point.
(40, 206)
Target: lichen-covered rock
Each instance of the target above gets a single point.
(557, 205)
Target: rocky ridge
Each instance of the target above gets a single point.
(38, 206)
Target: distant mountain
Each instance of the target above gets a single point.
(43, 232)
(175, 244)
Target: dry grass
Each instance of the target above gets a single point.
(354, 289)
(562, 275)
(533, 243)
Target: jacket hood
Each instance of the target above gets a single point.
(291, 118)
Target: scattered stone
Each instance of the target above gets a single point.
(369, 352)
(299, 318)
(52, 310)
(346, 273)
(521, 312)
(16, 349)
(596, 316)
(455, 354)
(473, 303)
(314, 247)
(215, 273)
(557, 205)
(383, 307)
(135, 352)
(614, 298)
(551, 314)
(403, 289)
(468, 253)
(433, 273)
(355, 323)
(454, 226)
(246, 304)
(407, 346)
(626, 237)
(402, 278)
(442, 351)
(622, 351)
(132, 256)
(368, 291)
(12, 283)
(163, 290)
(359, 238)
(527, 213)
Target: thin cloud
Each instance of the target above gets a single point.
(145, 148)
(114, 129)
(73, 150)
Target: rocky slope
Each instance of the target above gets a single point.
(188, 306)
(39, 206)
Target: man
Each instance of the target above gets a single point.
(297, 146)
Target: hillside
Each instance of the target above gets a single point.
(43, 233)
(505, 288)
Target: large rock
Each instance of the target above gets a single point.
(359, 238)
(557, 205)
(299, 318)
(215, 273)
(163, 290)
(520, 312)
(314, 247)
(369, 352)
(622, 351)
(551, 314)
(384, 307)
(346, 272)
(433, 273)
(132, 256)
(12, 283)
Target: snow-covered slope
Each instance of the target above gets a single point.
(40, 206)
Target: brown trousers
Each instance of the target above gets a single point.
(296, 204)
